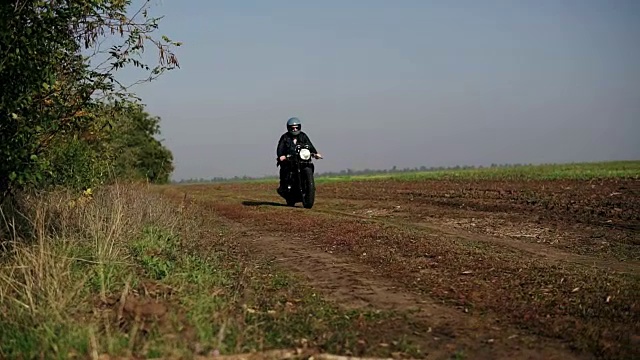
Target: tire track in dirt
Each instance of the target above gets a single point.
(598, 218)
(438, 329)
(552, 255)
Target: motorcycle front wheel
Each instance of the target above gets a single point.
(308, 188)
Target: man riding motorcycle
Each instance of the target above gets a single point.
(286, 146)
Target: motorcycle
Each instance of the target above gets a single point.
(300, 185)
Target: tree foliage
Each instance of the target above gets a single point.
(125, 149)
(57, 78)
(137, 152)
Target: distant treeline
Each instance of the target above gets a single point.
(352, 172)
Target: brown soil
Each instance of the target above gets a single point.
(600, 218)
(540, 269)
(438, 330)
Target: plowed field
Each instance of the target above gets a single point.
(485, 268)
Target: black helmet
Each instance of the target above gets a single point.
(294, 126)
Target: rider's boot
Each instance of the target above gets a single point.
(282, 187)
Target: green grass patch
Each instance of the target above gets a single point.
(574, 171)
(21, 340)
(156, 252)
(627, 169)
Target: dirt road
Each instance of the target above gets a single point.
(486, 270)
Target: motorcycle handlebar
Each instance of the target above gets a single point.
(315, 156)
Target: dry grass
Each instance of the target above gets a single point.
(129, 273)
(58, 246)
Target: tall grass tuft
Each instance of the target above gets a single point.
(59, 249)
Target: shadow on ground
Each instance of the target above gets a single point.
(261, 203)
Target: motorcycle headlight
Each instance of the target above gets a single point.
(305, 154)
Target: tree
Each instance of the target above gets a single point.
(52, 92)
(137, 153)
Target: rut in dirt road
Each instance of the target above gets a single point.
(438, 328)
(544, 252)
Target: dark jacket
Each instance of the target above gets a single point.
(286, 145)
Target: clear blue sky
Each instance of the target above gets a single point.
(405, 83)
